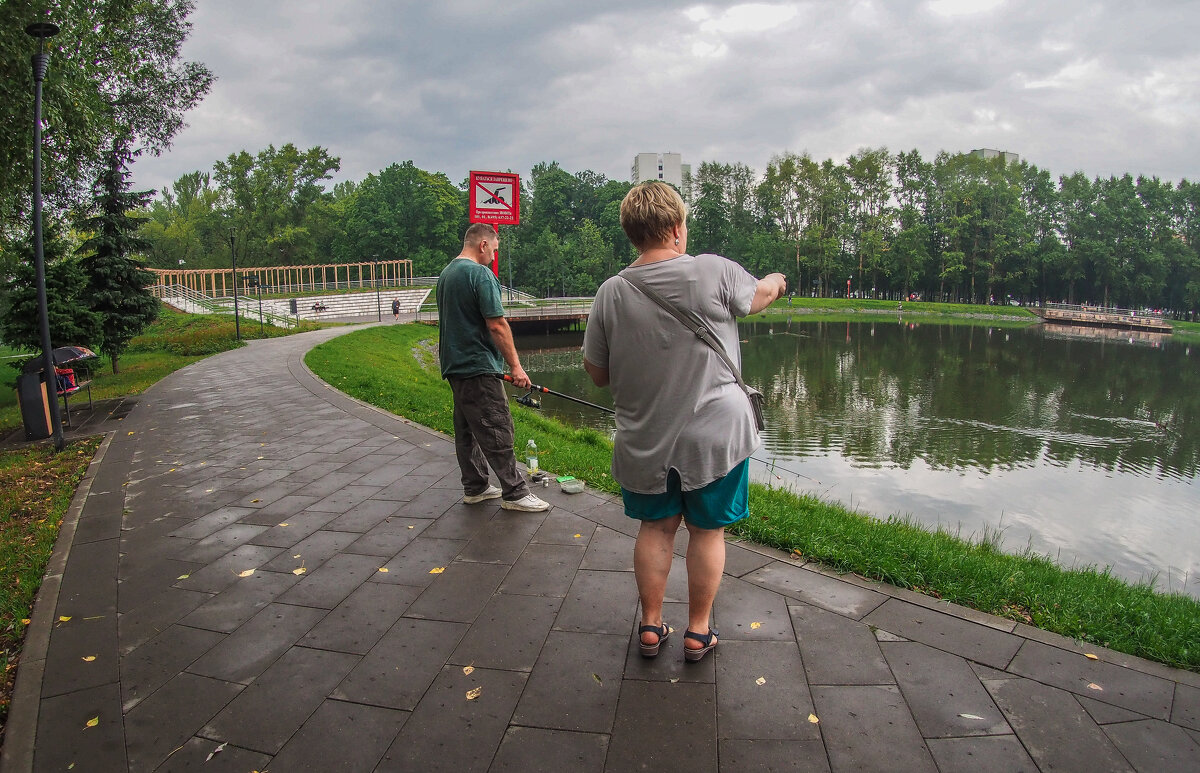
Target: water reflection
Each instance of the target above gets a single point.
(1085, 447)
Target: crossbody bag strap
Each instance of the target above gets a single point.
(689, 321)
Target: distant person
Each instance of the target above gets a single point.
(475, 342)
(396, 309)
(685, 429)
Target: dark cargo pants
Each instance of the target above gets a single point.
(483, 436)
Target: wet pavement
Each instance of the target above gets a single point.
(260, 572)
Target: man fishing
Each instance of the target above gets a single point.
(475, 341)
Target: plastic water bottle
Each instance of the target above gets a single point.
(531, 456)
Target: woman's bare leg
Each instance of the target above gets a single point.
(705, 564)
(651, 565)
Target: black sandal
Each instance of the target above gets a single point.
(661, 631)
(709, 641)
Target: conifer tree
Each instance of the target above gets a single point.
(71, 321)
(117, 281)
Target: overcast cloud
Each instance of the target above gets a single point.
(454, 85)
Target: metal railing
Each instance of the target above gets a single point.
(507, 293)
(535, 309)
(200, 303)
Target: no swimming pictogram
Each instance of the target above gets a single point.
(495, 198)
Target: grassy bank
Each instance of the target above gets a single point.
(36, 487)
(393, 367)
(843, 305)
(174, 341)
(1186, 331)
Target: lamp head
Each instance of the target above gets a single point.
(42, 30)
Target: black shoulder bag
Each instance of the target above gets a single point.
(690, 322)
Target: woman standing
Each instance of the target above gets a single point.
(685, 429)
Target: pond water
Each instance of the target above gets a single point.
(1082, 444)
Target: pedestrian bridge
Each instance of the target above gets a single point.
(547, 315)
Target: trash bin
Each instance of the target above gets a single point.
(35, 405)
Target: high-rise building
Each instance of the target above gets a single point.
(668, 167)
(986, 153)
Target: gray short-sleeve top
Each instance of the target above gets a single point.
(677, 403)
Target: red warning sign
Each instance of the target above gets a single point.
(495, 198)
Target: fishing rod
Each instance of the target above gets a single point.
(530, 401)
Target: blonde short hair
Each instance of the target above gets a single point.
(649, 212)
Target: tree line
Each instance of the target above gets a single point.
(956, 227)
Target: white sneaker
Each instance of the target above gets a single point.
(528, 504)
(491, 492)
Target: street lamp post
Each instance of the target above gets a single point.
(41, 62)
(375, 276)
(237, 324)
(258, 290)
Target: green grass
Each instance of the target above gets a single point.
(843, 305)
(413, 388)
(1086, 604)
(174, 341)
(1185, 331)
(393, 367)
(36, 487)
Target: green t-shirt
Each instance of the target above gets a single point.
(468, 295)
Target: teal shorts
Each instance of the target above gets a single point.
(715, 506)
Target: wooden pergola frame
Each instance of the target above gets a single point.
(219, 282)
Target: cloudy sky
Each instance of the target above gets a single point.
(453, 85)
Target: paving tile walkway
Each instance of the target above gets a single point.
(261, 573)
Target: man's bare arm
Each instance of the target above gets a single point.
(502, 336)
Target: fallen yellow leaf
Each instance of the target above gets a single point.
(252, 501)
(674, 680)
(25, 621)
(760, 681)
(412, 527)
(64, 618)
(577, 536)
(1094, 686)
(130, 433)
(88, 658)
(437, 570)
(282, 524)
(970, 716)
(96, 720)
(246, 573)
(468, 669)
(296, 556)
(183, 577)
(812, 718)
(474, 693)
(756, 626)
(383, 569)
(301, 570)
(1090, 656)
